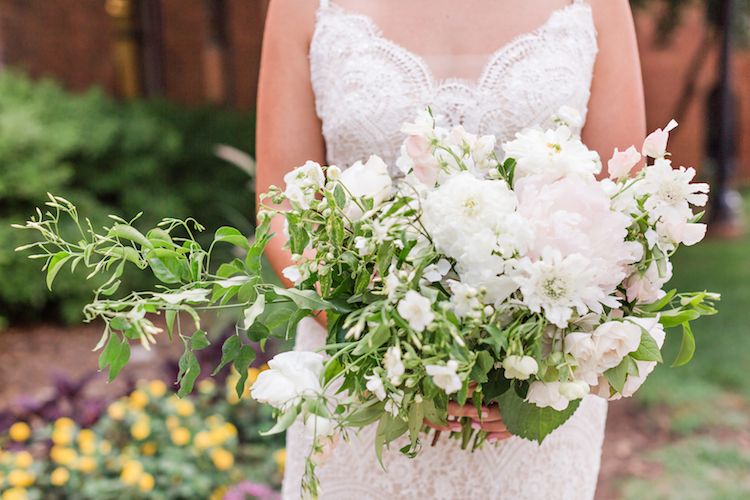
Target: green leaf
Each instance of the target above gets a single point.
(130, 233)
(496, 385)
(233, 236)
(283, 423)
(188, 378)
(372, 340)
(335, 228)
(291, 326)
(432, 414)
(363, 279)
(170, 315)
(481, 367)
(258, 332)
(659, 304)
(166, 274)
(648, 350)
(677, 317)
(385, 256)
(108, 290)
(380, 437)
(304, 299)
(416, 421)
(687, 348)
(616, 376)
(229, 351)
(111, 351)
(339, 196)
(241, 363)
(527, 420)
(252, 312)
(227, 270)
(159, 236)
(199, 341)
(55, 265)
(120, 361)
(277, 318)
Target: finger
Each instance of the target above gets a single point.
(493, 413)
(451, 427)
(496, 426)
(457, 410)
(494, 437)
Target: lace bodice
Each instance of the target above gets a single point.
(366, 86)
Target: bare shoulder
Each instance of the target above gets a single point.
(611, 15)
(293, 19)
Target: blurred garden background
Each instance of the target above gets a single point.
(124, 106)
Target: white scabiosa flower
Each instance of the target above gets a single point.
(554, 153)
(445, 377)
(558, 285)
(416, 309)
(520, 367)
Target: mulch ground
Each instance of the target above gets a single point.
(29, 357)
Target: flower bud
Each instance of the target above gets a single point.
(574, 390)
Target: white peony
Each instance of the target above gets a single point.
(416, 309)
(368, 180)
(317, 426)
(464, 206)
(520, 367)
(554, 153)
(547, 394)
(290, 376)
(445, 377)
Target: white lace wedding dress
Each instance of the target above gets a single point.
(365, 87)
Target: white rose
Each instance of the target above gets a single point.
(547, 394)
(574, 390)
(375, 386)
(581, 346)
(614, 340)
(445, 377)
(317, 426)
(369, 180)
(290, 375)
(520, 367)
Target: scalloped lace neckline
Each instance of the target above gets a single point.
(435, 83)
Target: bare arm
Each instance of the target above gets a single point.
(288, 130)
(617, 115)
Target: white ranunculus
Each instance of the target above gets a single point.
(290, 376)
(445, 377)
(554, 153)
(520, 367)
(416, 309)
(375, 385)
(547, 394)
(574, 390)
(569, 116)
(317, 426)
(368, 180)
(393, 364)
(614, 340)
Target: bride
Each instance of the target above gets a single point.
(339, 78)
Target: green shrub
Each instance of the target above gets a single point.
(148, 445)
(107, 157)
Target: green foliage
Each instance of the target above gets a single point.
(111, 157)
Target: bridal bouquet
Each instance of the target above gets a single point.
(521, 281)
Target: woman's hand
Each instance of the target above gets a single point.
(490, 421)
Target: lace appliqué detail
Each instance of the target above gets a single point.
(366, 86)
